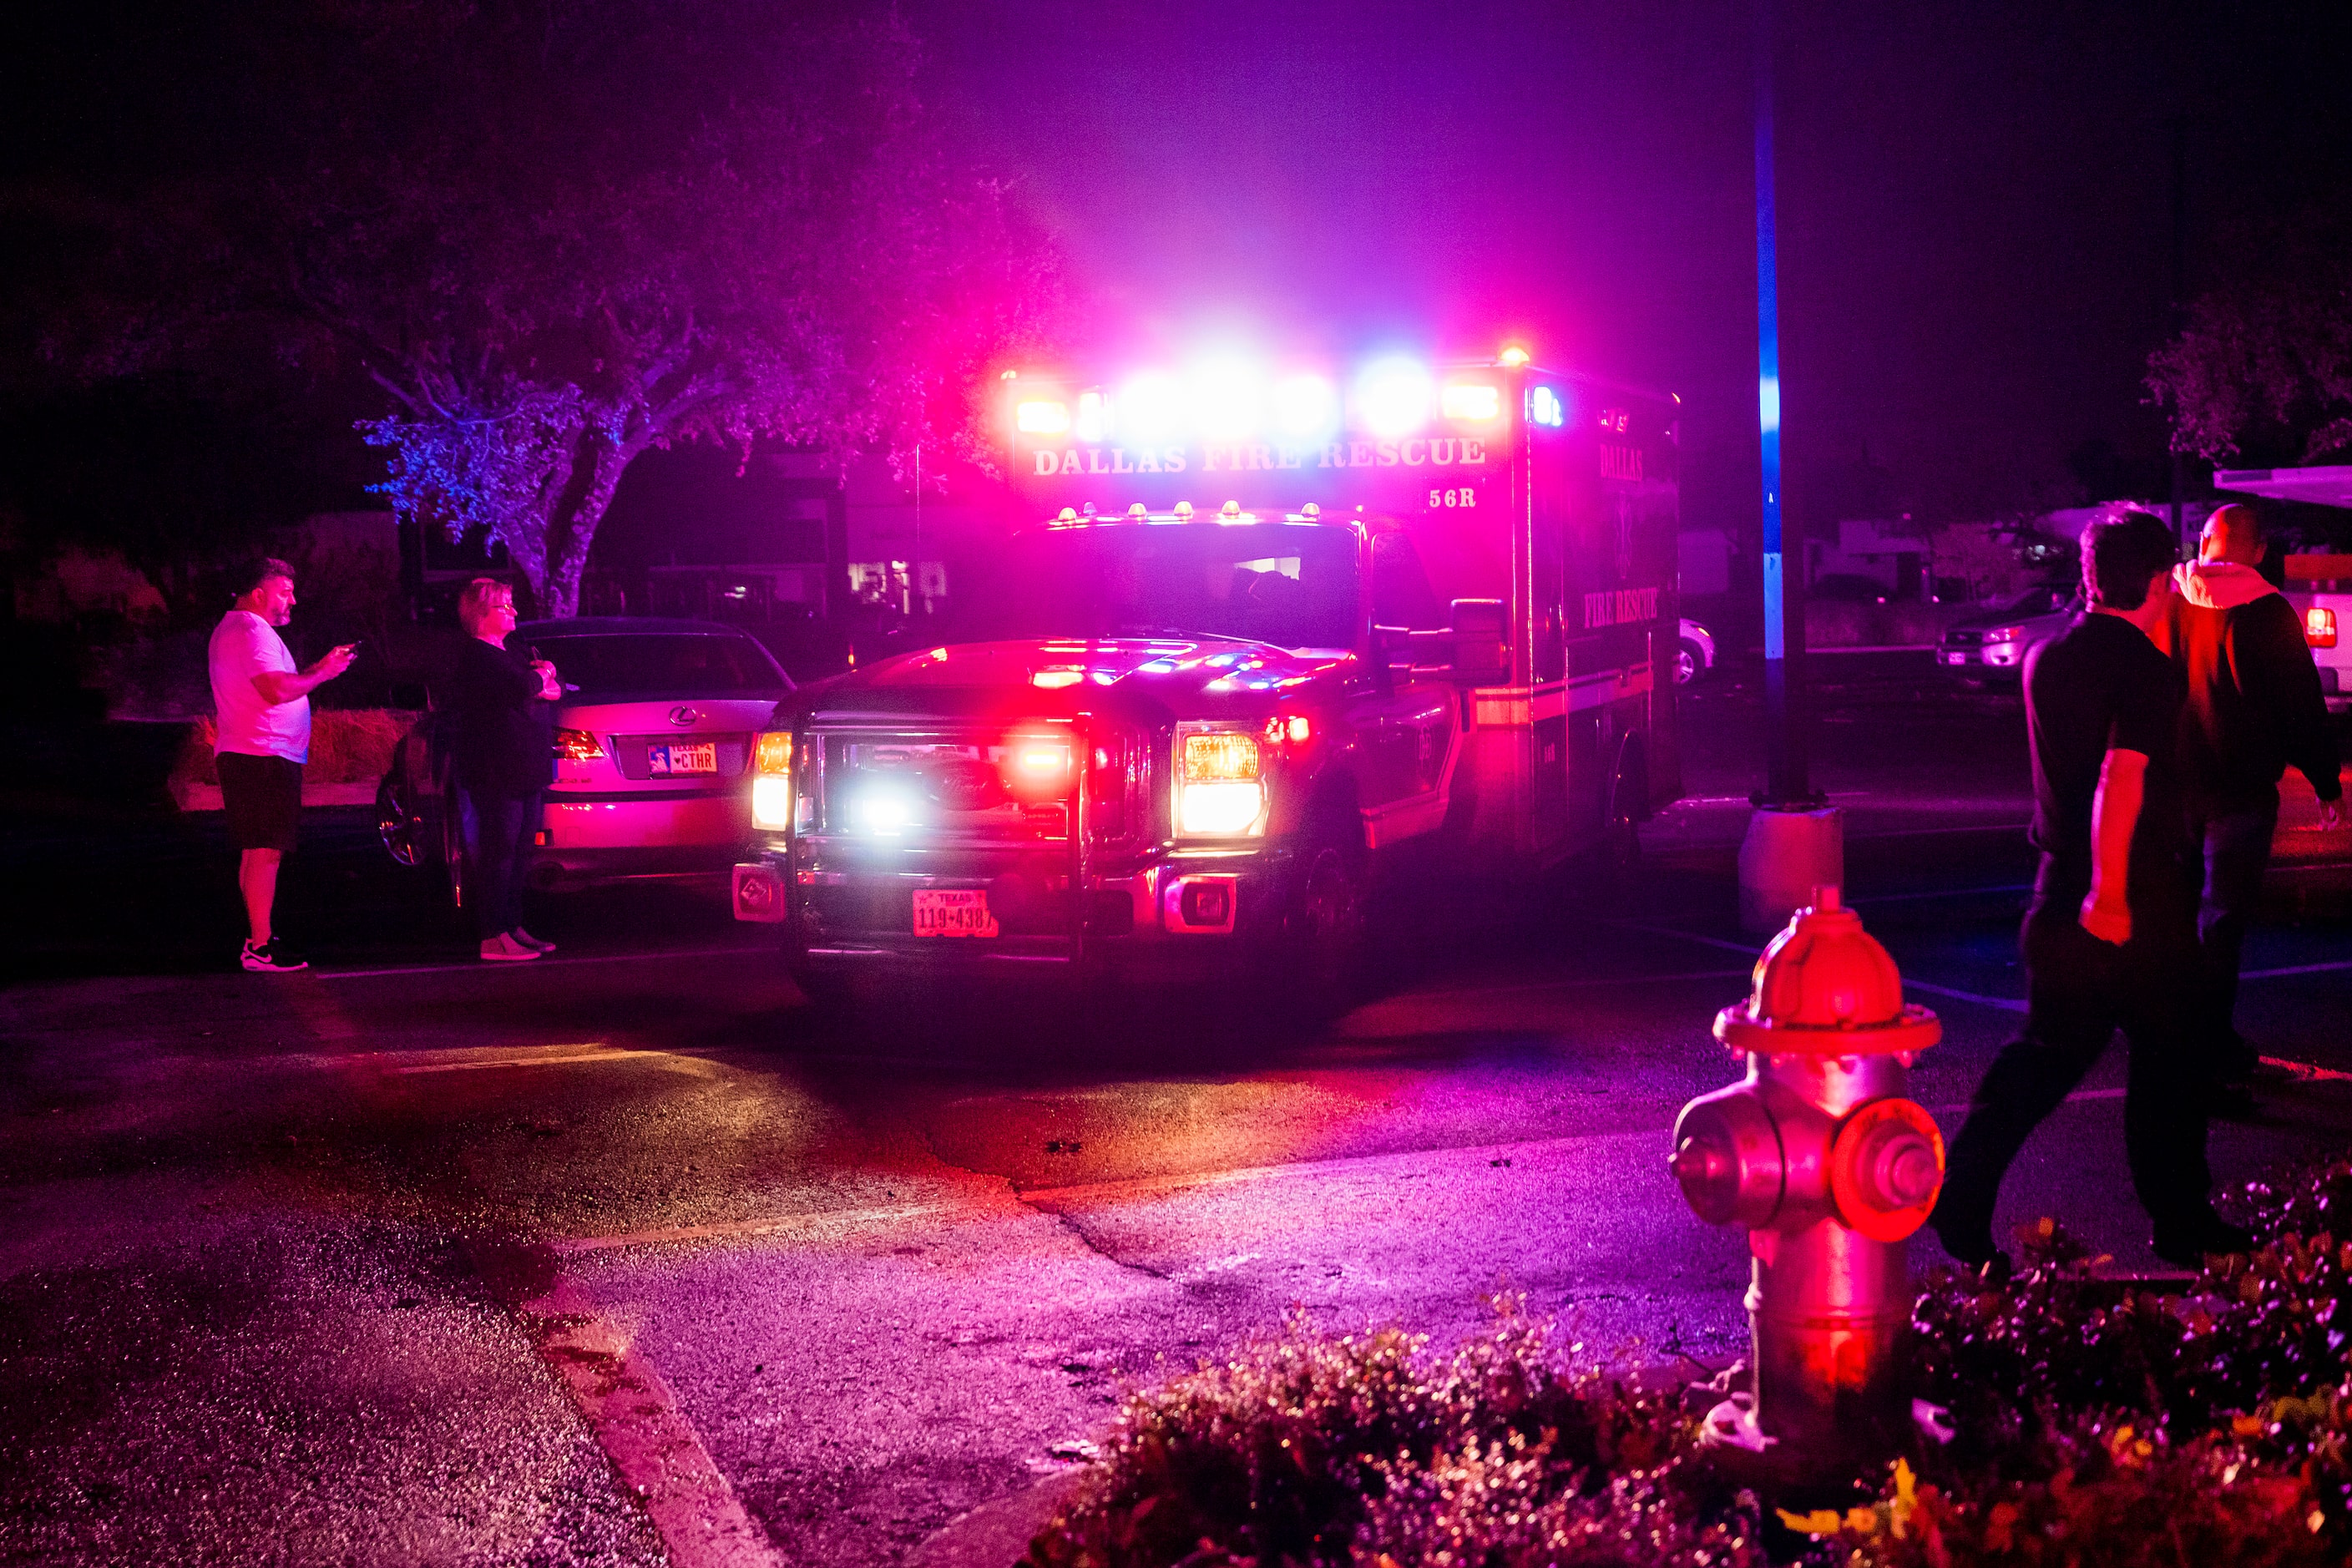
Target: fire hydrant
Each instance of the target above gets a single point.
(1821, 1157)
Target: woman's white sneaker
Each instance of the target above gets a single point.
(503, 949)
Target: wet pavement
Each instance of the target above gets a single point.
(620, 1257)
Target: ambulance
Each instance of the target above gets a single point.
(1255, 634)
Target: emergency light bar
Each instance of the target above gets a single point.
(1391, 398)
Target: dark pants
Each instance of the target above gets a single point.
(2081, 990)
(2236, 846)
(498, 831)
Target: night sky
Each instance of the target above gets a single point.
(1976, 200)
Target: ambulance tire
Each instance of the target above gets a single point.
(1327, 921)
(1621, 828)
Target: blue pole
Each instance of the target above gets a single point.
(1785, 769)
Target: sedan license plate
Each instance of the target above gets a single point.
(664, 762)
(961, 911)
(1955, 659)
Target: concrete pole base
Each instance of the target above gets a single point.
(1787, 855)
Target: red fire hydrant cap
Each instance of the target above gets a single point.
(1826, 987)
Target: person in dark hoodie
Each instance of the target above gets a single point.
(2110, 939)
(504, 755)
(2254, 708)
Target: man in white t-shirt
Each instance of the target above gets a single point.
(261, 705)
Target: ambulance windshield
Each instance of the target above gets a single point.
(1294, 586)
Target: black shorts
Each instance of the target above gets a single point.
(264, 799)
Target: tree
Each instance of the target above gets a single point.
(2265, 360)
(555, 235)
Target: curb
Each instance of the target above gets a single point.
(997, 1534)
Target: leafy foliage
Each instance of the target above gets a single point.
(2098, 1425)
(1290, 1452)
(553, 235)
(2266, 356)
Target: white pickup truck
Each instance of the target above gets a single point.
(2320, 589)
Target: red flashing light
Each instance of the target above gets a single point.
(2319, 626)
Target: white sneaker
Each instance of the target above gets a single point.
(504, 949)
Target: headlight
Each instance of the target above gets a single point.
(2004, 634)
(771, 780)
(1219, 784)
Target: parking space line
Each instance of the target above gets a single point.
(2295, 969)
(822, 1225)
(1569, 984)
(1942, 893)
(607, 1055)
(476, 966)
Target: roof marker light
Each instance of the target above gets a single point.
(1310, 511)
(1231, 508)
(1475, 400)
(1512, 357)
(1043, 416)
(1139, 510)
(1067, 514)
(1393, 398)
(1183, 511)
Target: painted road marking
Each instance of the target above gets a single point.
(1945, 893)
(605, 1055)
(832, 1224)
(820, 1225)
(2296, 969)
(476, 966)
(1566, 985)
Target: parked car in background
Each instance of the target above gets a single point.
(2320, 589)
(1988, 646)
(1694, 652)
(653, 748)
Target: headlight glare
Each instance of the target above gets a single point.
(1219, 784)
(771, 801)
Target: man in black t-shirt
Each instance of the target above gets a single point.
(2111, 938)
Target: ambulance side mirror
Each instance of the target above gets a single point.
(1470, 650)
(1481, 651)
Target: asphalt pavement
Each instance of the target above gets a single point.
(620, 1257)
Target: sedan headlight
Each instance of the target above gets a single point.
(771, 780)
(2004, 634)
(1219, 784)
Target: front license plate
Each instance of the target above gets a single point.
(961, 911)
(1955, 659)
(665, 761)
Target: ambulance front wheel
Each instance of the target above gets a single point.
(1327, 921)
(1629, 806)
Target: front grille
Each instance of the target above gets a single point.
(963, 787)
(1958, 638)
(634, 754)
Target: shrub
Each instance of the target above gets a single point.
(2097, 1424)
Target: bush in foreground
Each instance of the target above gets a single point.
(2096, 1426)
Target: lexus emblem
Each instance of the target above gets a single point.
(682, 716)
